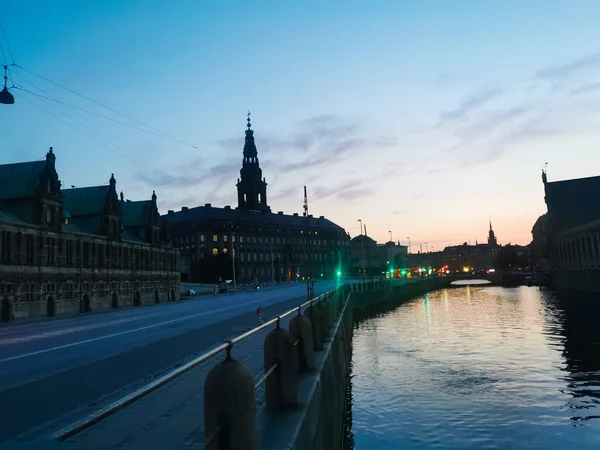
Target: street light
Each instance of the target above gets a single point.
(362, 244)
(391, 239)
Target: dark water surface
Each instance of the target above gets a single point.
(478, 368)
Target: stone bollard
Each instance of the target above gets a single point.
(229, 407)
(301, 328)
(316, 320)
(280, 387)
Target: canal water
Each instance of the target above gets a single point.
(477, 367)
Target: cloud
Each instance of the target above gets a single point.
(563, 71)
(285, 193)
(586, 88)
(470, 104)
(355, 194)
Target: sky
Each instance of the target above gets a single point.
(423, 118)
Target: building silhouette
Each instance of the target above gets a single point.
(258, 244)
(568, 235)
(75, 250)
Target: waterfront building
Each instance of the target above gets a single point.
(64, 251)
(472, 258)
(571, 234)
(256, 243)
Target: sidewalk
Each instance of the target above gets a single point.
(173, 416)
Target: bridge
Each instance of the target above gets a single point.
(163, 394)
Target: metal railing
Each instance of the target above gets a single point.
(117, 405)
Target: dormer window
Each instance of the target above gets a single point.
(48, 186)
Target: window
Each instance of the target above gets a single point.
(202, 238)
(241, 239)
(215, 238)
(233, 238)
(48, 187)
(29, 248)
(241, 257)
(6, 246)
(254, 240)
(48, 215)
(225, 237)
(224, 250)
(260, 240)
(215, 251)
(51, 250)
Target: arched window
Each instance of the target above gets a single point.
(225, 250)
(215, 251)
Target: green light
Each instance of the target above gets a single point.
(403, 272)
(339, 273)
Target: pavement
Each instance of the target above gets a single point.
(55, 372)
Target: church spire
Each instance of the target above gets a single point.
(250, 152)
(252, 187)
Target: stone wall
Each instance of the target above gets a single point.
(318, 421)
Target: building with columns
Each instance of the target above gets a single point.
(250, 239)
(572, 232)
(65, 251)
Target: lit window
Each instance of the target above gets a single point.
(224, 238)
(215, 251)
(241, 239)
(316, 232)
(225, 250)
(202, 238)
(215, 238)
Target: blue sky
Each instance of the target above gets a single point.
(426, 118)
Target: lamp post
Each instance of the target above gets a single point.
(362, 246)
(233, 262)
(391, 239)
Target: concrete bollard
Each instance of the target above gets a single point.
(229, 407)
(301, 328)
(280, 387)
(316, 320)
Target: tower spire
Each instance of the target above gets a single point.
(252, 187)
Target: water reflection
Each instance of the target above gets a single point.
(478, 367)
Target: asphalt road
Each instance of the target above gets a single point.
(50, 368)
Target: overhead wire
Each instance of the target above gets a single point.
(70, 125)
(103, 133)
(87, 111)
(137, 157)
(7, 44)
(156, 131)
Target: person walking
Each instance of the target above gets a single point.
(259, 313)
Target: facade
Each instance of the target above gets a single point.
(571, 233)
(369, 257)
(75, 250)
(252, 244)
(472, 258)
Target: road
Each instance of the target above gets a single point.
(61, 365)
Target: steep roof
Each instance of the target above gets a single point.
(20, 179)
(85, 201)
(10, 216)
(210, 213)
(571, 201)
(135, 214)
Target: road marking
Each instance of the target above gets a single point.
(87, 341)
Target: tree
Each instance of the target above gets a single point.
(508, 259)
